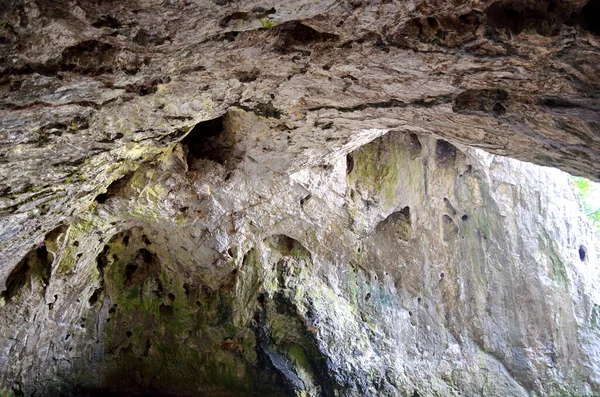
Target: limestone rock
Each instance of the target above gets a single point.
(241, 198)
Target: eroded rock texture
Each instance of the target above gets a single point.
(245, 198)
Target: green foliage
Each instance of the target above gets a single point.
(6, 393)
(266, 23)
(589, 193)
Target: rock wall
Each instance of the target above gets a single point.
(405, 267)
(90, 90)
(289, 198)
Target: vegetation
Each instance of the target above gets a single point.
(589, 193)
(267, 23)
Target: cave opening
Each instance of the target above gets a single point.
(591, 16)
(273, 273)
(165, 332)
(445, 153)
(37, 264)
(582, 253)
(210, 140)
(114, 189)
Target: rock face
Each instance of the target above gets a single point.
(406, 267)
(219, 198)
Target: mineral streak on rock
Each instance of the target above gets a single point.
(290, 198)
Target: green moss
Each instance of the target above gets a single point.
(484, 226)
(375, 167)
(298, 356)
(6, 393)
(266, 23)
(67, 264)
(170, 334)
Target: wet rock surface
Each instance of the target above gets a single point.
(233, 198)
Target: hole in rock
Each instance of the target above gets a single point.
(544, 17)
(296, 33)
(246, 76)
(397, 225)
(209, 140)
(232, 252)
(129, 271)
(143, 264)
(102, 260)
(285, 244)
(349, 163)
(188, 289)
(149, 333)
(146, 240)
(445, 153)
(482, 100)
(114, 188)
(464, 217)
(232, 19)
(16, 389)
(101, 198)
(449, 208)
(262, 11)
(498, 109)
(433, 23)
(89, 57)
(261, 299)
(505, 15)
(108, 21)
(37, 262)
(304, 200)
(165, 310)
(145, 38)
(582, 252)
(207, 291)
(591, 16)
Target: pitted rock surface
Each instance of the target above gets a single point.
(290, 198)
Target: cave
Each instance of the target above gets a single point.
(210, 140)
(334, 198)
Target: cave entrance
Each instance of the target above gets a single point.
(211, 140)
(167, 332)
